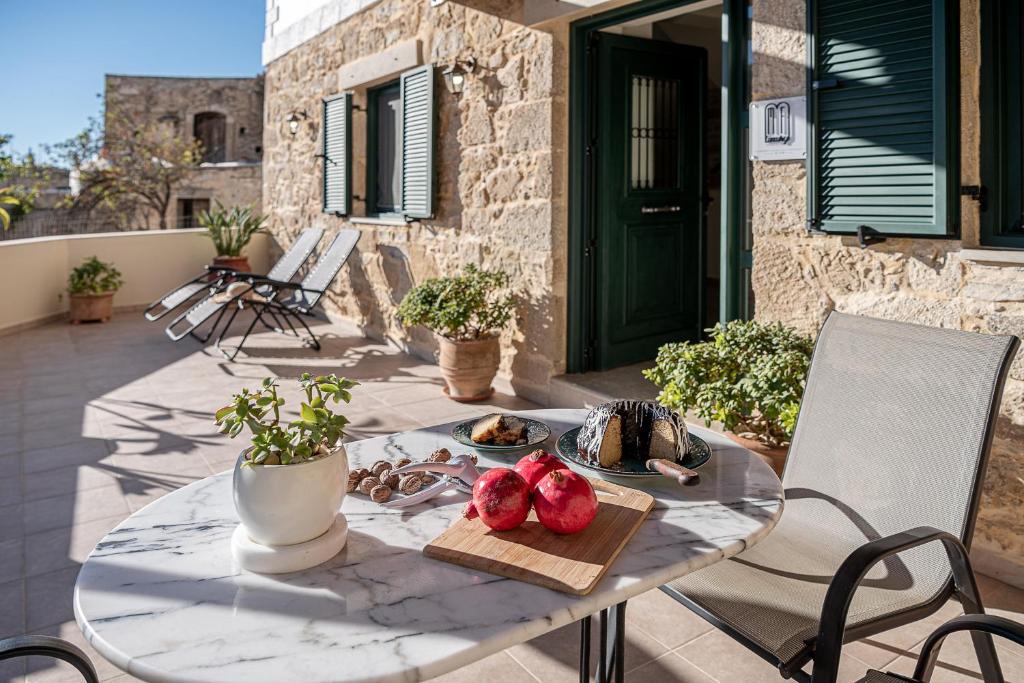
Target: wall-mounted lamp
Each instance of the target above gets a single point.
(455, 75)
(294, 118)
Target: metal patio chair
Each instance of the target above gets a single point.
(48, 646)
(268, 295)
(215, 304)
(882, 485)
(984, 623)
(216, 278)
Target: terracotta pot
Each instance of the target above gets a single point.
(237, 262)
(468, 367)
(89, 307)
(775, 457)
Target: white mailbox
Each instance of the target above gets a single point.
(778, 129)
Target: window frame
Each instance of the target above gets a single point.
(1002, 130)
(372, 210)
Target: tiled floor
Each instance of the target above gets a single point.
(97, 421)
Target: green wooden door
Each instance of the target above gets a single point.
(650, 189)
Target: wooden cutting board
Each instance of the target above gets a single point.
(531, 553)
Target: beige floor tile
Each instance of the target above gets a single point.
(498, 668)
(64, 548)
(664, 619)
(48, 599)
(670, 667)
(73, 454)
(42, 670)
(12, 616)
(67, 480)
(63, 511)
(878, 650)
(12, 559)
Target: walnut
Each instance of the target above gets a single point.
(362, 473)
(402, 463)
(426, 479)
(472, 457)
(353, 480)
(379, 467)
(440, 455)
(390, 480)
(410, 483)
(368, 484)
(380, 494)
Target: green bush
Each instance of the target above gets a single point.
(94, 277)
(231, 229)
(461, 308)
(749, 376)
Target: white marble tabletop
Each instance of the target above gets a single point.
(159, 596)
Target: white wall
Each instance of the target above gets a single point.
(34, 272)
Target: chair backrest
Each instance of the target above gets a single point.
(290, 262)
(326, 269)
(896, 423)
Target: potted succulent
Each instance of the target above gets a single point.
(231, 230)
(465, 312)
(91, 287)
(748, 376)
(290, 481)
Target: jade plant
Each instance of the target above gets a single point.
(463, 307)
(231, 229)
(94, 277)
(314, 434)
(749, 376)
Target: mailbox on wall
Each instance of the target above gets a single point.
(778, 129)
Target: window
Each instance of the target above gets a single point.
(400, 148)
(883, 118)
(211, 129)
(1002, 116)
(384, 150)
(189, 210)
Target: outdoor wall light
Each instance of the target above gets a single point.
(455, 75)
(293, 120)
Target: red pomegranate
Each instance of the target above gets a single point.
(501, 499)
(565, 502)
(535, 465)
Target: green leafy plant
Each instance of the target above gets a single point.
(94, 277)
(317, 430)
(231, 229)
(749, 376)
(8, 203)
(469, 306)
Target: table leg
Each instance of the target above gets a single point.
(611, 662)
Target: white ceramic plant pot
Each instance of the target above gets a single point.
(289, 504)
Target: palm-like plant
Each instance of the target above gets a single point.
(231, 229)
(7, 202)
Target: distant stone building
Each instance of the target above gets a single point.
(225, 114)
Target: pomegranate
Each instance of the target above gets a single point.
(565, 502)
(501, 499)
(535, 465)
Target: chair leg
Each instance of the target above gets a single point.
(241, 343)
(611, 663)
(970, 599)
(585, 649)
(314, 342)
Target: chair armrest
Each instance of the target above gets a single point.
(48, 646)
(986, 623)
(257, 280)
(829, 642)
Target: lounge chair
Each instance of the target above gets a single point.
(882, 486)
(216, 277)
(288, 300)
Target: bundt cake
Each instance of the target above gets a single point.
(635, 430)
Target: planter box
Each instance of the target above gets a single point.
(91, 307)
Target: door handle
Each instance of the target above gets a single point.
(660, 209)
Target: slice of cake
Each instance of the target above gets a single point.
(632, 430)
(499, 430)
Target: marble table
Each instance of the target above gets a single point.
(159, 596)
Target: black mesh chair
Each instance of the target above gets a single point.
(882, 486)
(975, 623)
(48, 646)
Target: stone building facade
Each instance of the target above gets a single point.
(226, 114)
(505, 191)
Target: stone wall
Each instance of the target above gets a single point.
(495, 152)
(799, 278)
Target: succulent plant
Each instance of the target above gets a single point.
(317, 430)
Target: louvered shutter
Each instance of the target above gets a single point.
(881, 117)
(418, 142)
(337, 139)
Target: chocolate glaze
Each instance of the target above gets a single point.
(636, 419)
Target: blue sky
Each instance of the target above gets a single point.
(55, 52)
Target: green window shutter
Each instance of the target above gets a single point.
(418, 142)
(883, 117)
(337, 154)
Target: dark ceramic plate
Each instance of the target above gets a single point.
(536, 433)
(699, 453)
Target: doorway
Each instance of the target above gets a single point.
(653, 133)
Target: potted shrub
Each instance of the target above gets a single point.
(91, 287)
(290, 481)
(465, 312)
(748, 376)
(231, 231)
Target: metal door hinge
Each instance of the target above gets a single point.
(866, 236)
(978, 193)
